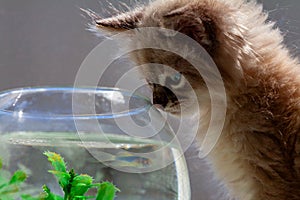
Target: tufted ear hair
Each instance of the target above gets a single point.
(177, 12)
(122, 22)
(187, 21)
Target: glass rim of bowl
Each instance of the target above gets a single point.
(94, 90)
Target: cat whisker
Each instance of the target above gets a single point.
(93, 15)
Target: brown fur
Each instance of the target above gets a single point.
(258, 153)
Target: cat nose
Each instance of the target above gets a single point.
(163, 95)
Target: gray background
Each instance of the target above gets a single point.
(43, 42)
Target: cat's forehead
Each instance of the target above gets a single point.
(163, 62)
(157, 70)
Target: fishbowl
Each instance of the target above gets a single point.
(68, 142)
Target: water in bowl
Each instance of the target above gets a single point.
(124, 160)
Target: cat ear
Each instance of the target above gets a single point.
(177, 12)
(121, 22)
(186, 21)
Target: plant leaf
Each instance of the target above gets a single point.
(57, 161)
(1, 163)
(18, 177)
(106, 191)
(50, 195)
(63, 177)
(9, 189)
(80, 185)
(60, 170)
(29, 197)
(7, 197)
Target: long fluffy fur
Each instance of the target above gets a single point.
(258, 153)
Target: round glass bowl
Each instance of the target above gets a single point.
(109, 134)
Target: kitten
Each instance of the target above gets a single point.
(258, 153)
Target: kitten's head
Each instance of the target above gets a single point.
(203, 22)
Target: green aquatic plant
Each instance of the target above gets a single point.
(75, 186)
(10, 186)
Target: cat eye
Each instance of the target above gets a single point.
(175, 79)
